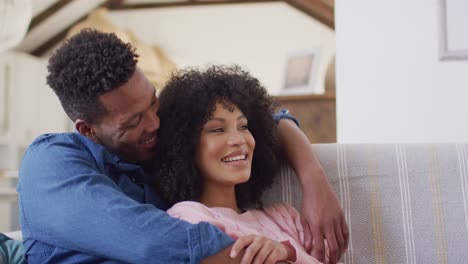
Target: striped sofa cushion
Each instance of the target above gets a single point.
(403, 203)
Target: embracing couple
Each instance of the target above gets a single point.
(174, 179)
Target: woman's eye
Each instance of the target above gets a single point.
(217, 130)
(244, 127)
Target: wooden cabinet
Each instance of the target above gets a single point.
(316, 114)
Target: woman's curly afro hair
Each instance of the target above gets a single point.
(87, 65)
(187, 102)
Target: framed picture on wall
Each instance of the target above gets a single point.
(301, 73)
(453, 24)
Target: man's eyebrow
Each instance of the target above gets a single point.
(129, 120)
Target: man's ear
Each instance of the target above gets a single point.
(85, 129)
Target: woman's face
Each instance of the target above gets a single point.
(224, 155)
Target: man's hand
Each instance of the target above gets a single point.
(323, 216)
(259, 249)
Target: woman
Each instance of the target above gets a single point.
(218, 153)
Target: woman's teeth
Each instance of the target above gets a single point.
(240, 157)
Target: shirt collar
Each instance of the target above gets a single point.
(110, 157)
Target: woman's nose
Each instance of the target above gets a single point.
(236, 139)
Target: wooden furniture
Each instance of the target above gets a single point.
(316, 114)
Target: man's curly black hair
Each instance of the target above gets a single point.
(87, 65)
(187, 102)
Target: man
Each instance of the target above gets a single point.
(86, 197)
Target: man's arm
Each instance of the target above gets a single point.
(67, 202)
(321, 208)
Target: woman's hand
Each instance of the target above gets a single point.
(259, 249)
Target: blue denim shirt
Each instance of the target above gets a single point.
(80, 204)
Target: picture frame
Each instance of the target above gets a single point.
(300, 74)
(453, 25)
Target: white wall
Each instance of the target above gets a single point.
(259, 36)
(32, 109)
(391, 85)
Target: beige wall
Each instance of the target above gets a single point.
(258, 36)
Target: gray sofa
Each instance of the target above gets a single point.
(403, 203)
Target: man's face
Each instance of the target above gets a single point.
(129, 127)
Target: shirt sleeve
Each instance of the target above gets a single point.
(65, 201)
(284, 114)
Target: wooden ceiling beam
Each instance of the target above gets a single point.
(53, 41)
(329, 3)
(187, 3)
(49, 26)
(41, 17)
(322, 10)
(318, 9)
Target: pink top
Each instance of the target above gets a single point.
(279, 222)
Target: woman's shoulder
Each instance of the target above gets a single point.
(188, 208)
(188, 205)
(194, 212)
(280, 208)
